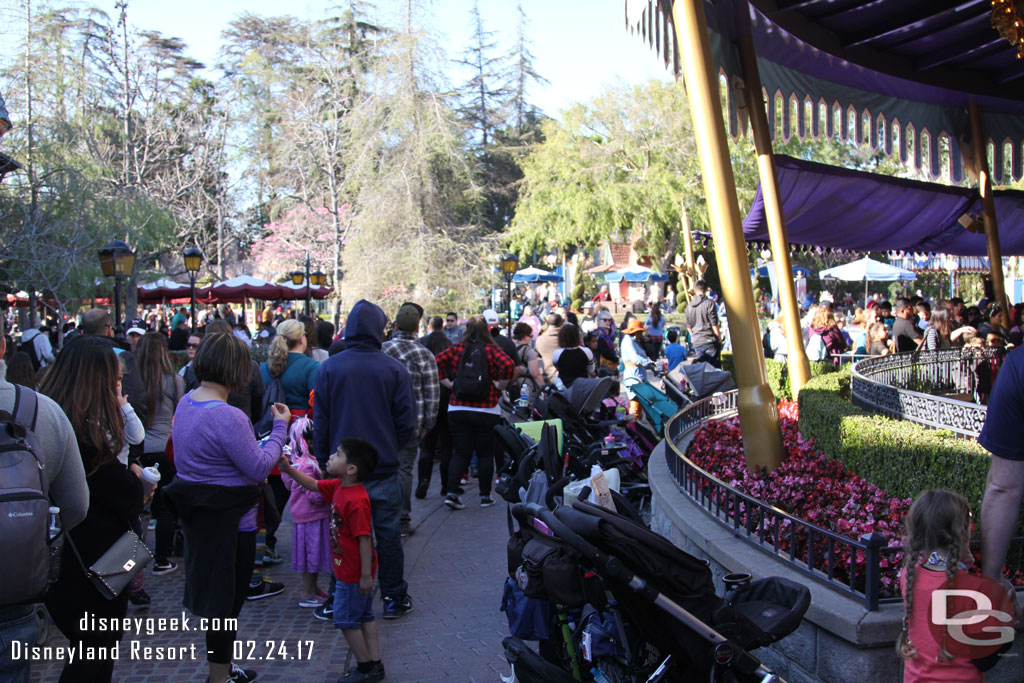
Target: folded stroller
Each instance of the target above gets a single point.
(669, 623)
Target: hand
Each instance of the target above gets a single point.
(280, 412)
(284, 463)
(366, 584)
(122, 400)
(136, 470)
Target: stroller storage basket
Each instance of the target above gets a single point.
(775, 606)
(529, 666)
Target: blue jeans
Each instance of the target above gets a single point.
(386, 501)
(708, 353)
(16, 624)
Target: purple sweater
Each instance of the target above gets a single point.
(214, 444)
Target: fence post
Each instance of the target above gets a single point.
(873, 542)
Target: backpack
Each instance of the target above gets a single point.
(24, 504)
(275, 394)
(29, 346)
(473, 375)
(766, 344)
(816, 350)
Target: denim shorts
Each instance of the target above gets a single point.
(351, 608)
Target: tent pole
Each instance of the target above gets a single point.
(759, 416)
(988, 208)
(799, 367)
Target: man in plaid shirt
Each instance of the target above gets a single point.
(420, 362)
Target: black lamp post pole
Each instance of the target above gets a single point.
(192, 288)
(308, 308)
(117, 300)
(508, 282)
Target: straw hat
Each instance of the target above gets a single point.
(633, 327)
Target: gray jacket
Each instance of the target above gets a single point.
(59, 453)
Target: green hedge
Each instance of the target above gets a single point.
(901, 457)
(778, 373)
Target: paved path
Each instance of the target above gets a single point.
(455, 566)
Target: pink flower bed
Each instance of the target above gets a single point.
(811, 486)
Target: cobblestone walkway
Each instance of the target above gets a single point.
(455, 566)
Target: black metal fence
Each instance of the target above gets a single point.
(938, 389)
(850, 566)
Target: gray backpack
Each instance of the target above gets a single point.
(24, 504)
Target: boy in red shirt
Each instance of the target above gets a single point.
(354, 558)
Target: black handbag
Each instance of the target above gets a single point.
(113, 571)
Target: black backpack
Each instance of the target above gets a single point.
(24, 504)
(473, 376)
(766, 342)
(29, 346)
(275, 394)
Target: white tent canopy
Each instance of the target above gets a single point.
(867, 270)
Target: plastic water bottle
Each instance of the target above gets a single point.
(559, 384)
(56, 538)
(524, 396)
(599, 676)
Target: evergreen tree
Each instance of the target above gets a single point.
(483, 96)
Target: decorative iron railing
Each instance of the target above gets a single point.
(938, 389)
(848, 566)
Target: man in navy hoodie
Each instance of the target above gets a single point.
(363, 392)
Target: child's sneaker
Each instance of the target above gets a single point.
(311, 600)
(325, 612)
(452, 501)
(320, 593)
(166, 568)
(396, 607)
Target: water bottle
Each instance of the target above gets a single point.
(620, 412)
(599, 676)
(524, 396)
(56, 540)
(559, 384)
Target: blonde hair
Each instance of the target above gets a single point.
(939, 520)
(824, 318)
(289, 334)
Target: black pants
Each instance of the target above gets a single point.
(162, 513)
(436, 444)
(280, 501)
(473, 432)
(219, 643)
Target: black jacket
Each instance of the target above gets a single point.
(209, 517)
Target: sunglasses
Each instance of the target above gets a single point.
(192, 346)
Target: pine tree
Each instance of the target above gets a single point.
(485, 93)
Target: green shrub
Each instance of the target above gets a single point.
(778, 373)
(901, 457)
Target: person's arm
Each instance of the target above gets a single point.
(301, 478)
(68, 488)
(46, 352)
(445, 367)
(403, 407)
(252, 459)
(1000, 510)
(134, 431)
(534, 367)
(365, 565)
(431, 391)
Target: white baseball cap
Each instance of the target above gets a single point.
(136, 330)
(491, 316)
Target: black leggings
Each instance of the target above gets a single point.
(279, 501)
(473, 431)
(437, 443)
(219, 644)
(162, 513)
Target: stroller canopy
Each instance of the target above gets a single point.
(705, 379)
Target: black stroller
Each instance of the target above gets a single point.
(644, 610)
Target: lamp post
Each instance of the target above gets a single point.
(316, 279)
(509, 266)
(117, 260)
(193, 259)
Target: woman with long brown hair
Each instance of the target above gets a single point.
(472, 415)
(164, 388)
(86, 382)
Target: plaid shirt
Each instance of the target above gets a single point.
(499, 365)
(404, 347)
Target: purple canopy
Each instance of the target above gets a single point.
(836, 207)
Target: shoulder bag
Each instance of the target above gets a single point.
(114, 570)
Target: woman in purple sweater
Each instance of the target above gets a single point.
(219, 467)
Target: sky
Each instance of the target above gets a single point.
(580, 45)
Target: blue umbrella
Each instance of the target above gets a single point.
(532, 274)
(636, 274)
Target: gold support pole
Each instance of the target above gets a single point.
(759, 417)
(799, 368)
(988, 209)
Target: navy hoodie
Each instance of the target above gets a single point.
(363, 392)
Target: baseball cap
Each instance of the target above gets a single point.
(408, 318)
(135, 330)
(491, 316)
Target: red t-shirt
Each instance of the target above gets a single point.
(351, 517)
